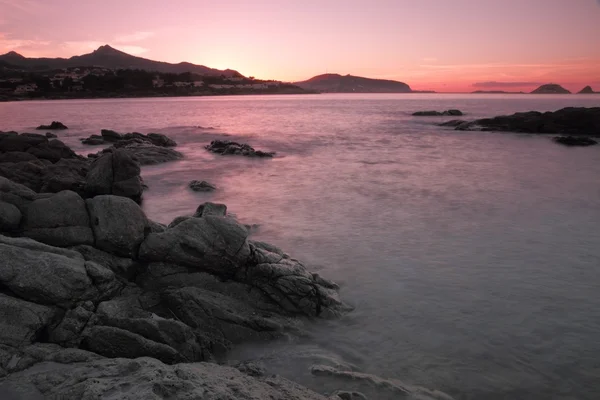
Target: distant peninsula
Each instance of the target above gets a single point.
(336, 83)
(551, 88)
(110, 73)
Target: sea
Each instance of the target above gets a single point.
(472, 259)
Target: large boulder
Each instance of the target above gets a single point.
(10, 217)
(214, 244)
(121, 266)
(22, 142)
(16, 194)
(142, 378)
(149, 154)
(115, 173)
(118, 223)
(53, 151)
(53, 279)
(60, 220)
(68, 332)
(22, 322)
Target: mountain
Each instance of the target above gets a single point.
(551, 88)
(335, 83)
(587, 90)
(108, 57)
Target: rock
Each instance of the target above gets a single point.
(50, 135)
(124, 267)
(49, 278)
(16, 156)
(158, 139)
(453, 123)
(30, 244)
(178, 220)
(60, 220)
(115, 342)
(53, 150)
(226, 147)
(211, 243)
(110, 136)
(66, 174)
(201, 186)
(551, 88)
(437, 113)
(10, 217)
(145, 378)
(569, 121)
(148, 154)
(53, 125)
(586, 90)
(115, 173)
(118, 223)
(574, 141)
(346, 395)
(22, 322)
(93, 140)
(68, 332)
(209, 208)
(156, 227)
(21, 142)
(15, 194)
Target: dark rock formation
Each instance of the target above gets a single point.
(574, 141)
(110, 137)
(437, 113)
(570, 120)
(551, 88)
(226, 147)
(149, 154)
(50, 135)
(586, 90)
(53, 125)
(201, 186)
(115, 172)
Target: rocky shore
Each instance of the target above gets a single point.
(98, 301)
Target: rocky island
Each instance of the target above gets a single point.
(551, 88)
(587, 90)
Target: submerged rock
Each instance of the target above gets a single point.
(201, 186)
(437, 113)
(53, 125)
(575, 141)
(226, 147)
(570, 120)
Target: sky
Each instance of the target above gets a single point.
(442, 45)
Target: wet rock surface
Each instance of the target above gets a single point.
(201, 186)
(53, 125)
(437, 113)
(226, 147)
(575, 141)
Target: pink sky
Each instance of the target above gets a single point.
(443, 45)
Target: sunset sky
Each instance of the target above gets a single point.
(442, 45)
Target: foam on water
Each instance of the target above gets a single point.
(472, 258)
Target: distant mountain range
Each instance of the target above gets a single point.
(108, 57)
(335, 83)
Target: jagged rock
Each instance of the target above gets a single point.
(227, 147)
(211, 243)
(108, 136)
(50, 278)
(66, 174)
(161, 140)
(575, 141)
(116, 173)
(124, 267)
(53, 150)
(10, 217)
(570, 121)
(201, 186)
(50, 135)
(115, 342)
(208, 208)
(437, 113)
(68, 332)
(118, 223)
(53, 125)
(149, 154)
(146, 379)
(61, 220)
(22, 322)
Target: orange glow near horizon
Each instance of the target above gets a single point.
(458, 46)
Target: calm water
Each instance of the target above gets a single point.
(473, 259)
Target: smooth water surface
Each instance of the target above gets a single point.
(473, 259)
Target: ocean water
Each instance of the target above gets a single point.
(472, 259)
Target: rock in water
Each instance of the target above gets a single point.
(226, 147)
(437, 113)
(209, 208)
(201, 186)
(575, 141)
(115, 173)
(53, 125)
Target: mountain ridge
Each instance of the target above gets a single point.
(108, 57)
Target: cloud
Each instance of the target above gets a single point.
(433, 59)
(134, 37)
(495, 84)
(8, 43)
